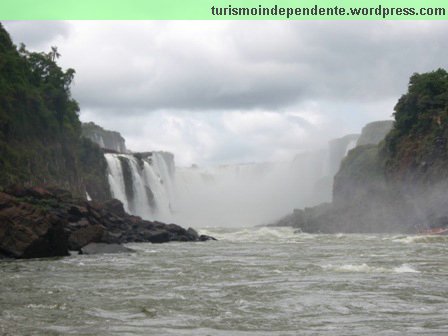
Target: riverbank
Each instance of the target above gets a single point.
(47, 222)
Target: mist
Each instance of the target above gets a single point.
(150, 185)
(248, 194)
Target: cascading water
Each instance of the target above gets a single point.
(143, 182)
(350, 146)
(150, 186)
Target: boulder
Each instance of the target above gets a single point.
(36, 222)
(114, 206)
(84, 236)
(156, 236)
(193, 234)
(26, 231)
(206, 237)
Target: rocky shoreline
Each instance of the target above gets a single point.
(47, 222)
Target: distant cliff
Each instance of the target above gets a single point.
(399, 184)
(338, 149)
(106, 139)
(375, 132)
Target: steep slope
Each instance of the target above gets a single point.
(109, 140)
(375, 132)
(400, 184)
(40, 132)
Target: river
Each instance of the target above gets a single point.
(251, 282)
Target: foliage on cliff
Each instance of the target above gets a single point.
(400, 184)
(40, 130)
(402, 179)
(417, 147)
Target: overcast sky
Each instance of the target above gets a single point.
(228, 92)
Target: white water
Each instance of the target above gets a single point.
(116, 179)
(224, 196)
(350, 146)
(151, 173)
(263, 282)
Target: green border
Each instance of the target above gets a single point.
(201, 9)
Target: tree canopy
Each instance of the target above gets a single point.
(40, 131)
(423, 109)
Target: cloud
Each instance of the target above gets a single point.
(38, 35)
(219, 91)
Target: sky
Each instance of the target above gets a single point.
(223, 92)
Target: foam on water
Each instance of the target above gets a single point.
(258, 281)
(405, 268)
(257, 234)
(418, 239)
(365, 268)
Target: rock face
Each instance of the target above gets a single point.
(367, 198)
(40, 132)
(39, 222)
(28, 231)
(375, 132)
(338, 149)
(109, 140)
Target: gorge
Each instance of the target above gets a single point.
(151, 186)
(329, 225)
(385, 173)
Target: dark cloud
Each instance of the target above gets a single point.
(208, 89)
(251, 65)
(239, 65)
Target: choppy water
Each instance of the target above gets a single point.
(251, 282)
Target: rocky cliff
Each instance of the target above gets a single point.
(109, 140)
(375, 132)
(40, 132)
(398, 185)
(38, 222)
(338, 149)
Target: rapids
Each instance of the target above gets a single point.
(264, 281)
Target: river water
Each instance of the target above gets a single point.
(251, 282)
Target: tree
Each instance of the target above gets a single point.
(423, 110)
(53, 54)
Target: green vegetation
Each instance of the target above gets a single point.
(400, 184)
(40, 132)
(414, 153)
(417, 145)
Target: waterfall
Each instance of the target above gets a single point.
(350, 146)
(150, 186)
(143, 183)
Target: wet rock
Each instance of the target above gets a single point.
(78, 211)
(193, 234)
(206, 237)
(85, 235)
(115, 206)
(103, 248)
(36, 192)
(155, 236)
(26, 231)
(40, 223)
